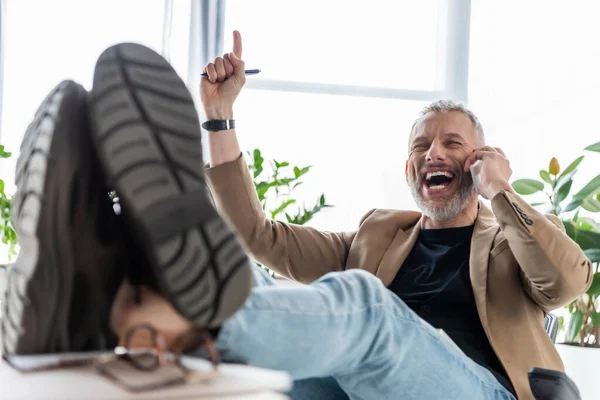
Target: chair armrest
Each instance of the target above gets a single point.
(551, 326)
(548, 384)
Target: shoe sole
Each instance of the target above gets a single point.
(47, 277)
(31, 170)
(148, 139)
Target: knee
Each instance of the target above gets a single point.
(358, 282)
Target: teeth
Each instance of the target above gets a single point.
(438, 173)
(437, 187)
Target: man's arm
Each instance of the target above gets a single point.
(554, 269)
(298, 252)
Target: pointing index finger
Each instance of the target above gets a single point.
(237, 44)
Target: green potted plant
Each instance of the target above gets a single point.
(580, 331)
(8, 235)
(275, 188)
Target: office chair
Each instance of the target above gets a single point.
(548, 384)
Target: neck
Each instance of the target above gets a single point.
(465, 218)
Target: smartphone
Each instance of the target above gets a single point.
(475, 171)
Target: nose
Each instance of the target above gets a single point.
(436, 152)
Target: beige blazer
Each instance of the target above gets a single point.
(522, 264)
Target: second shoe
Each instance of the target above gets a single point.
(148, 140)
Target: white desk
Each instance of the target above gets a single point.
(84, 383)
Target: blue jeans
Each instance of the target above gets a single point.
(347, 331)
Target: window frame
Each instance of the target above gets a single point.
(454, 20)
(207, 19)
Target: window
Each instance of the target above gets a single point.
(340, 86)
(49, 41)
(534, 85)
(357, 147)
(341, 42)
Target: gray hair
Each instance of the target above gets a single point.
(442, 106)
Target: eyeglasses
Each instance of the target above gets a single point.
(146, 357)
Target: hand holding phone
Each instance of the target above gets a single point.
(475, 171)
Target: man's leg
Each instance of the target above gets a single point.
(310, 388)
(261, 277)
(138, 129)
(349, 326)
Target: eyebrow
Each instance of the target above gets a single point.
(450, 135)
(454, 135)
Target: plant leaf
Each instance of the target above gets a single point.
(575, 325)
(527, 186)
(587, 239)
(261, 189)
(561, 323)
(590, 204)
(562, 192)
(593, 147)
(545, 175)
(595, 319)
(541, 203)
(588, 224)
(594, 290)
(282, 207)
(571, 167)
(574, 204)
(564, 179)
(588, 189)
(593, 255)
(298, 172)
(570, 228)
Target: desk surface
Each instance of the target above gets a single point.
(85, 383)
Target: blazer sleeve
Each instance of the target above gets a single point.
(554, 269)
(297, 252)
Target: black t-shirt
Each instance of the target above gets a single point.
(434, 282)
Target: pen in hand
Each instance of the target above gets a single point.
(246, 72)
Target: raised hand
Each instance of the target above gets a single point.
(225, 80)
(495, 170)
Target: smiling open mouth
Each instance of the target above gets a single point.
(438, 179)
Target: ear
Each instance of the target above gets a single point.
(406, 169)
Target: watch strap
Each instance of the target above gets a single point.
(215, 125)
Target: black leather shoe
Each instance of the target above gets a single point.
(60, 289)
(148, 140)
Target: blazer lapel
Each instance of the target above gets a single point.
(484, 232)
(401, 245)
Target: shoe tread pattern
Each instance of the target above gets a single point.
(26, 304)
(148, 138)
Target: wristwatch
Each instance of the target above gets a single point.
(215, 125)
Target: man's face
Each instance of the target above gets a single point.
(437, 152)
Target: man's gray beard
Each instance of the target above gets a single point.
(450, 209)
